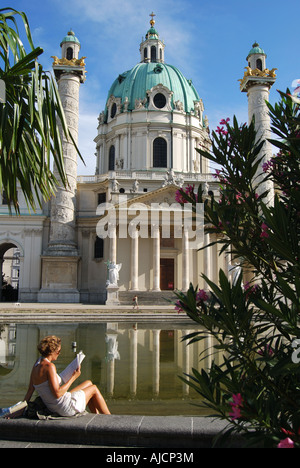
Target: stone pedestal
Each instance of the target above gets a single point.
(59, 280)
(112, 298)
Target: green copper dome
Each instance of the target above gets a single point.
(70, 37)
(256, 50)
(135, 83)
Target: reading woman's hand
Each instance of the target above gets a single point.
(77, 373)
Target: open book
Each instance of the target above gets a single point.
(15, 410)
(72, 367)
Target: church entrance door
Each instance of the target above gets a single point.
(167, 274)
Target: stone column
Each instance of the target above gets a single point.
(156, 361)
(133, 360)
(185, 260)
(257, 82)
(135, 260)
(207, 259)
(60, 260)
(185, 361)
(156, 258)
(113, 243)
(257, 97)
(63, 205)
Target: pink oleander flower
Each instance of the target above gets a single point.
(237, 399)
(264, 231)
(221, 131)
(250, 289)
(266, 351)
(189, 191)
(225, 121)
(236, 405)
(235, 413)
(178, 306)
(201, 295)
(286, 443)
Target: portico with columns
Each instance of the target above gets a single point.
(156, 250)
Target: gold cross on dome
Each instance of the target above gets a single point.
(152, 22)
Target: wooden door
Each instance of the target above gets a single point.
(167, 274)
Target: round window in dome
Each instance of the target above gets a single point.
(113, 110)
(160, 100)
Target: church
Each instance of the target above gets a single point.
(120, 233)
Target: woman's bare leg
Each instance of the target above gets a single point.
(94, 399)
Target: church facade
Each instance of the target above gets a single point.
(124, 221)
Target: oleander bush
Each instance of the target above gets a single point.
(253, 320)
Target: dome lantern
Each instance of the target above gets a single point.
(152, 48)
(70, 46)
(256, 57)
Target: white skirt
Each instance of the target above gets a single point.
(78, 401)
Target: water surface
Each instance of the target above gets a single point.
(135, 365)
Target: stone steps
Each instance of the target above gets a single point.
(154, 298)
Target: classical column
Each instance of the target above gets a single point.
(185, 260)
(156, 258)
(110, 377)
(112, 243)
(208, 343)
(214, 259)
(135, 260)
(185, 361)
(207, 259)
(156, 361)
(133, 360)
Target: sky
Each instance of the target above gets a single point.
(208, 40)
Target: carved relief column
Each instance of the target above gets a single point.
(257, 82)
(60, 262)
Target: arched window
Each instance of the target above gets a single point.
(98, 248)
(145, 53)
(113, 110)
(111, 158)
(259, 64)
(153, 54)
(69, 53)
(160, 152)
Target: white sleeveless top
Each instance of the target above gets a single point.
(67, 405)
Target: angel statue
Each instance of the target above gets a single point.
(114, 269)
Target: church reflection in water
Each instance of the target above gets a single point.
(136, 365)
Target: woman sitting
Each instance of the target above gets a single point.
(45, 380)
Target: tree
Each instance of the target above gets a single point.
(254, 321)
(29, 134)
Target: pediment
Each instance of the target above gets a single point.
(162, 195)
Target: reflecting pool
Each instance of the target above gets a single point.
(135, 365)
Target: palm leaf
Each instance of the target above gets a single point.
(30, 119)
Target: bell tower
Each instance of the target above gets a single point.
(152, 49)
(257, 82)
(60, 260)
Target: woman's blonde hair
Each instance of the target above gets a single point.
(49, 345)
